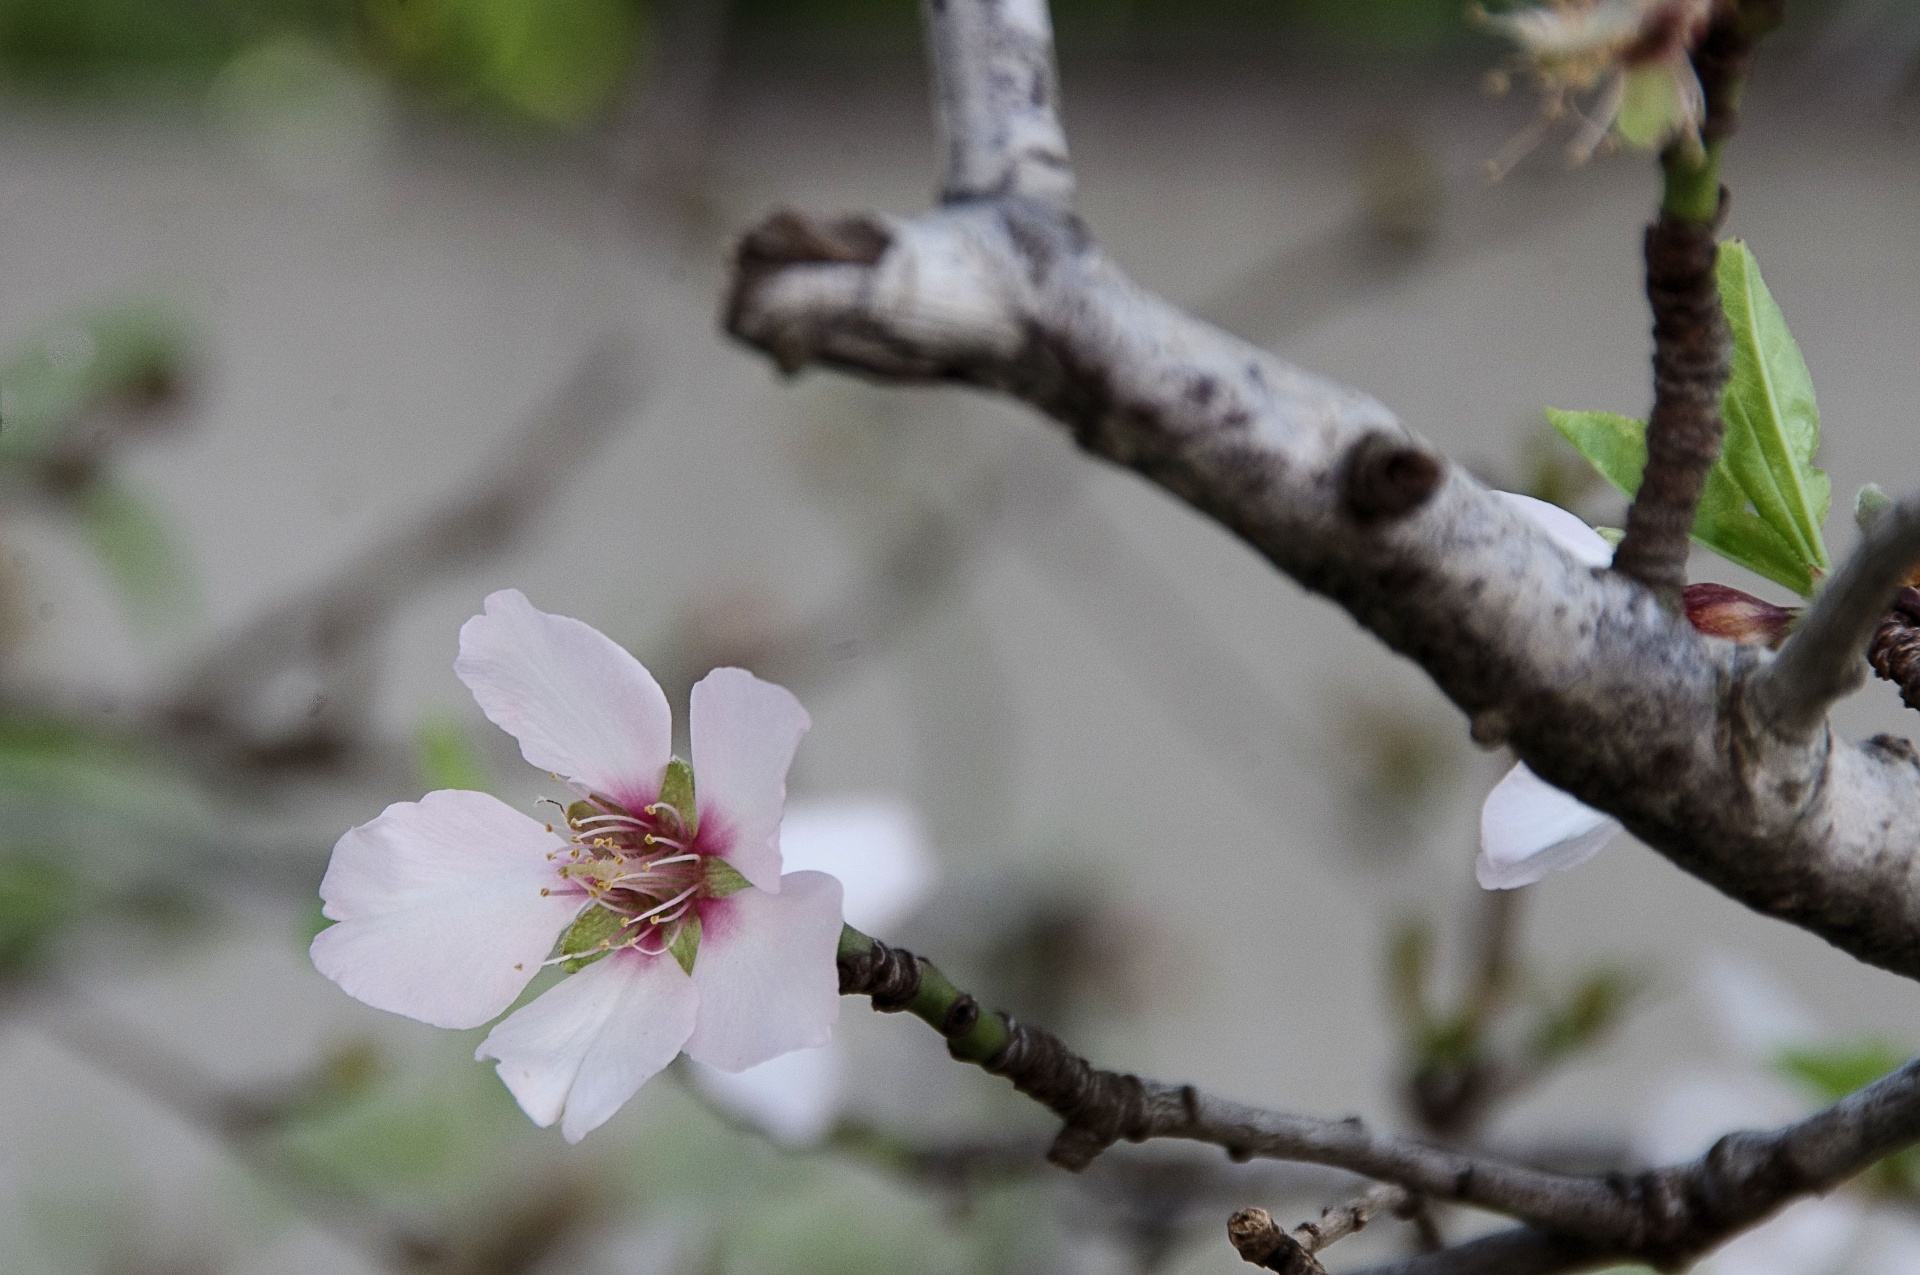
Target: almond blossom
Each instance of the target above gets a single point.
(667, 904)
(1529, 828)
(1631, 60)
(878, 852)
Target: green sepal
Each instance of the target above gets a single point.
(722, 877)
(686, 942)
(676, 790)
(1617, 447)
(596, 928)
(1651, 108)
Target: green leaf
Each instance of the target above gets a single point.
(1773, 424)
(1617, 447)
(676, 790)
(1831, 1072)
(591, 936)
(686, 942)
(133, 544)
(446, 757)
(722, 877)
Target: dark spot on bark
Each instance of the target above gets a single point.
(1387, 478)
(1202, 389)
(1894, 748)
(1238, 418)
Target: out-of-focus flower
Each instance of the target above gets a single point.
(1529, 828)
(1622, 67)
(1847, 1232)
(670, 910)
(877, 851)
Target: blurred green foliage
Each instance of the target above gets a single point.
(66, 393)
(40, 895)
(556, 62)
(562, 62)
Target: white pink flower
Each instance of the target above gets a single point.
(1631, 60)
(878, 852)
(666, 900)
(1529, 828)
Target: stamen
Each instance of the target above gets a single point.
(685, 894)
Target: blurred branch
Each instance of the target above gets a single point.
(1665, 1216)
(328, 629)
(1260, 1241)
(657, 143)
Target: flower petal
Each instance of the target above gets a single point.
(1809, 1237)
(876, 849)
(1565, 530)
(766, 972)
(443, 907)
(794, 1097)
(579, 704)
(593, 1039)
(1529, 828)
(744, 734)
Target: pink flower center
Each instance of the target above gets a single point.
(645, 866)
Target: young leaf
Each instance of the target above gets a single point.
(1773, 424)
(1617, 447)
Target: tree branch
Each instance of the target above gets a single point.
(1665, 1216)
(1260, 1241)
(995, 90)
(1600, 690)
(1823, 660)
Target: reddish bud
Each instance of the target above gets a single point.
(1726, 612)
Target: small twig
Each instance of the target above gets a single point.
(1895, 649)
(1260, 1241)
(1684, 433)
(995, 93)
(1690, 343)
(1822, 661)
(1663, 1216)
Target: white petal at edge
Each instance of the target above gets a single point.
(794, 1097)
(581, 1050)
(875, 849)
(443, 908)
(744, 735)
(1563, 528)
(579, 704)
(1529, 828)
(766, 972)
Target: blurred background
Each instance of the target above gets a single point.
(321, 319)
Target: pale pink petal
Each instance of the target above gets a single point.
(1565, 530)
(579, 704)
(794, 1097)
(593, 1039)
(1529, 828)
(744, 734)
(445, 908)
(876, 849)
(766, 972)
